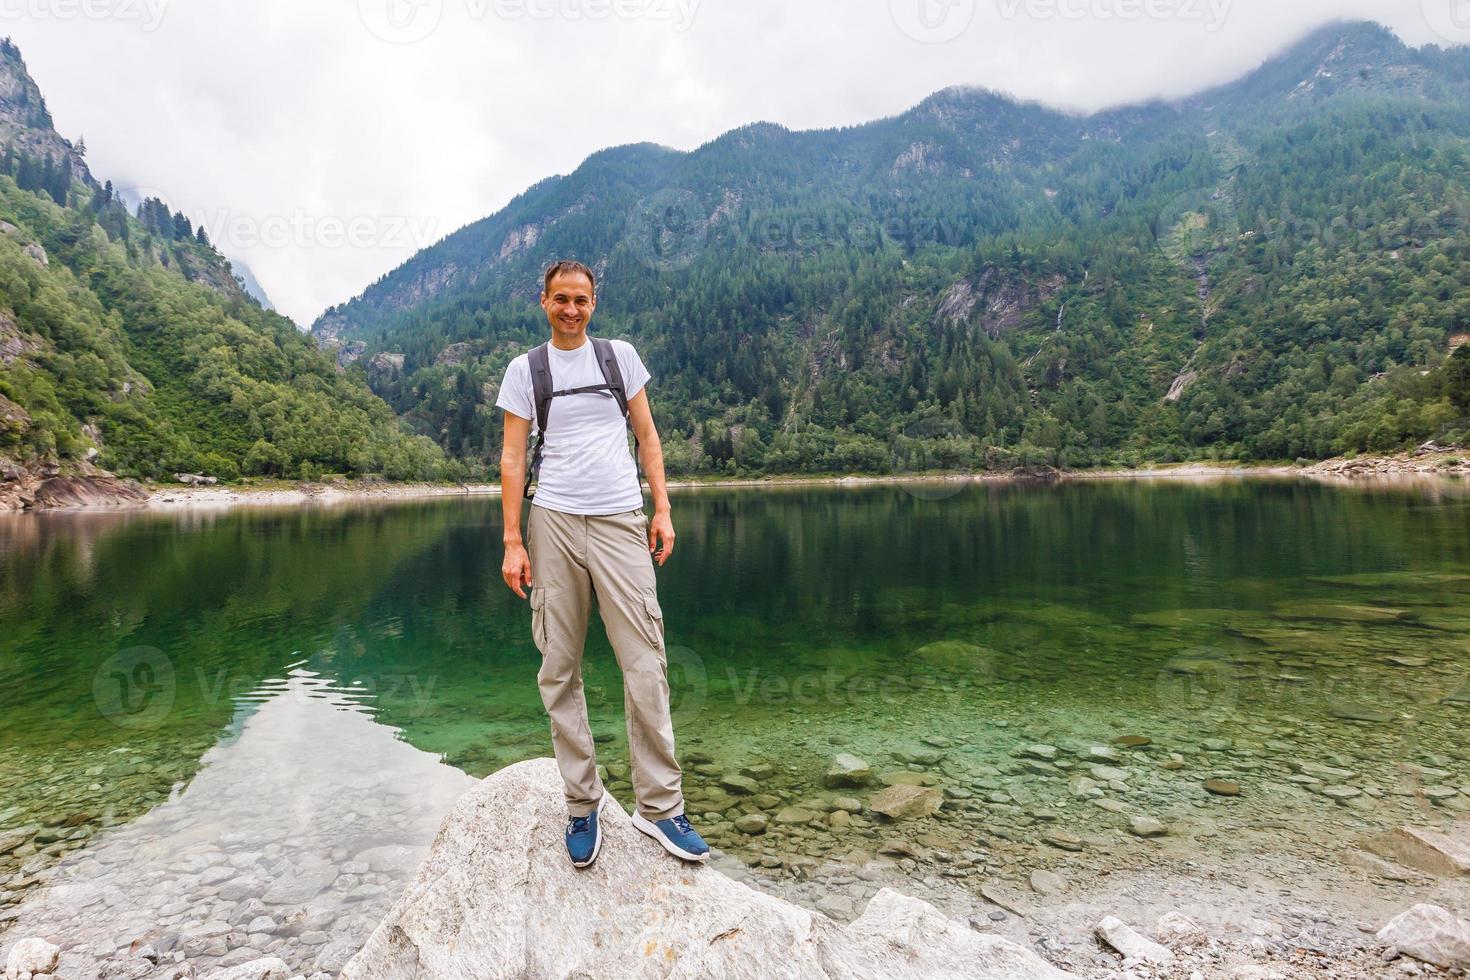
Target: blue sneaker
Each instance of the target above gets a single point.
(675, 834)
(584, 836)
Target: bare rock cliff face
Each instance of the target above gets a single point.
(25, 122)
(41, 486)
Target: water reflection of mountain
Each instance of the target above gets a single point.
(128, 636)
(311, 811)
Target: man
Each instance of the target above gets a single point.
(587, 535)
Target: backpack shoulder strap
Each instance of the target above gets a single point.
(612, 373)
(540, 363)
(541, 384)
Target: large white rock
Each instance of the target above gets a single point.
(1431, 934)
(33, 955)
(497, 898)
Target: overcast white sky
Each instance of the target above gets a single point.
(325, 141)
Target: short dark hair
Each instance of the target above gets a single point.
(564, 267)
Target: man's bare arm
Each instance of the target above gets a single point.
(651, 455)
(516, 568)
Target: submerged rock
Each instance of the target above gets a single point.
(739, 785)
(497, 884)
(1341, 612)
(1065, 840)
(11, 839)
(1146, 826)
(923, 756)
(1355, 711)
(751, 823)
(902, 802)
(847, 770)
(1426, 850)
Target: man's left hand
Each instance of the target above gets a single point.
(661, 537)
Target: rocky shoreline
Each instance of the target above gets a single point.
(1427, 460)
(494, 885)
(1147, 902)
(85, 488)
(46, 488)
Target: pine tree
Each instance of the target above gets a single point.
(59, 184)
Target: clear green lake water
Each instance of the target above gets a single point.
(1292, 621)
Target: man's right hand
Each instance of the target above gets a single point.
(516, 569)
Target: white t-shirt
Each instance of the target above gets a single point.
(586, 467)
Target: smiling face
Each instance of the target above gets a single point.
(568, 301)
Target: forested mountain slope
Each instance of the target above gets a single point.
(127, 344)
(1276, 268)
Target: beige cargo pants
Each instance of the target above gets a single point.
(573, 558)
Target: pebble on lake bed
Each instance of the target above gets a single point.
(751, 823)
(1046, 753)
(847, 770)
(902, 802)
(1045, 882)
(1146, 826)
(1121, 937)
